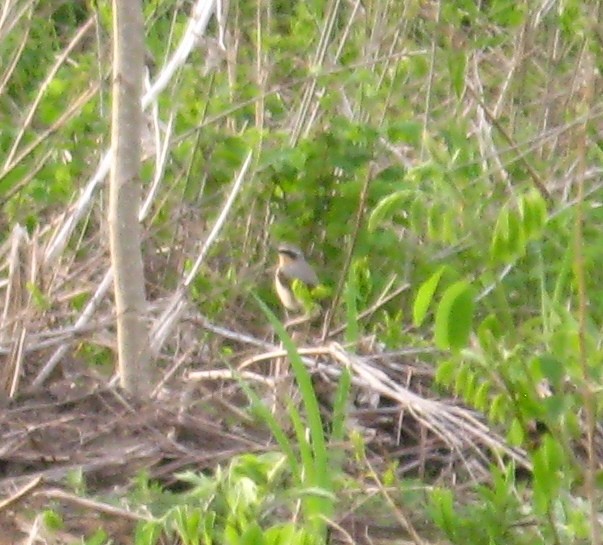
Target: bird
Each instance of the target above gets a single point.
(292, 265)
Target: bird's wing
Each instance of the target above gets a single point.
(299, 271)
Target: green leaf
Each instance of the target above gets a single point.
(446, 372)
(489, 331)
(463, 375)
(481, 399)
(454, 317)
(553, 452)
(425, 295)
(148, 533)
(52, 520)
(386, 208)
(555, 407)
(408, 132)
(496, 410)
(417, 216)
(547, 463)
(457, 62)
(100, 537)
(516, 434)
(551, 369)
(469, 387)
(304, 296)
(435, 222)
(442, 507)
(533, 211)
(508, 242)
(253, 535)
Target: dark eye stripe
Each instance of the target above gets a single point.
(290, 253)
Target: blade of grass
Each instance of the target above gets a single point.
(342, 394)
(351, 296)
(317, 471)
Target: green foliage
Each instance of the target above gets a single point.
(147, 533)
(232, 506)
(352, 332)
(515, 228)
(52, 520)
(424, 296)
(314, 470)
(305, 296)
(454, 316)
(387, 207)
(451, 209)
(100, 537)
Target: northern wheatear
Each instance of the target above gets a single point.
(292, 265)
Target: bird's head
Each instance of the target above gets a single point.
(288, 253)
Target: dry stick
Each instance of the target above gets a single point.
(430, 79)
(34, 531)
(311, 118)
(491, 119)
(448, 422)
(196, 26)
(6, 27)
(14, 265)
(42, 89)
(17, 56)
(223, 374)
(399, 514)
(65, 117)
(381, 301)
(13, 316)
(172, 371)
(318, 60)
(518, 58)
(164, 324)
(549, 91)
(175, 305)
(203, 322)
(23, 491)
(49, 339)
(161, 154)
(360, 212)
(290, 85)
(29, 175)
(347, 30)
(275, 352)
(534, 143)
(82, 321)
(18, 366)
(57, 493)
(486, 142)
(445, 421)
(455, 425)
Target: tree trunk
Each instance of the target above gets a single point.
(124, 197)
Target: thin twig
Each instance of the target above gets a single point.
(491, 119)
(176, 305)
(22, 492)
(58, 494)
(358, 222)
